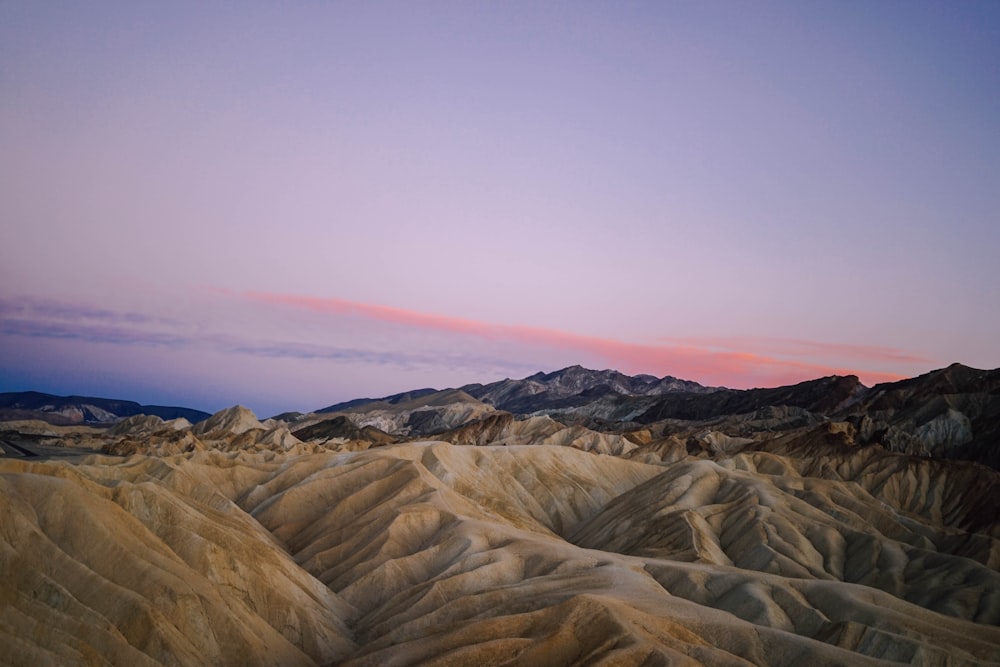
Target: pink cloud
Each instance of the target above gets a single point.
(687, 359)
(785, 346)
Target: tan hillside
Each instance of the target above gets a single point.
(432, 553)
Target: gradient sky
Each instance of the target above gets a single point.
(287, 205)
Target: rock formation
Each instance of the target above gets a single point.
(781, 534)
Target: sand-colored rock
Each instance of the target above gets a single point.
(231, 421)
(138, 425)
(433, 553)
(104, 561)
(503, 429)
(424, 415)
(235, 429)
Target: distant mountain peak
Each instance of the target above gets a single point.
(574, 384)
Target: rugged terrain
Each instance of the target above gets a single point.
(577, 517)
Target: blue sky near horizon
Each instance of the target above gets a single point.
(288, 206)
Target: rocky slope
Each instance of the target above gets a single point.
(951, 413)
(232, 429)
(432, 553)
(807, 526)
(574, 387)
(414, 414)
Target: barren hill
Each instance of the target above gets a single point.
(773, 536)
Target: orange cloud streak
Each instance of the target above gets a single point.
(875, 353)
(689, 361)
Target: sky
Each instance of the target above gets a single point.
(287, 205)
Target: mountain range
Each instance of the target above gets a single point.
(951, 413)
(572, 517)
(83, 409)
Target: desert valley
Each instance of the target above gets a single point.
(575, 517)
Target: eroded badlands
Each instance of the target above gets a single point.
(433, 553)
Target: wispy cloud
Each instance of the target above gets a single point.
(705, 363)
(463, 344)
(88, 332)
(49, 309)
(796, 346)
(404, 360)
(50, 319)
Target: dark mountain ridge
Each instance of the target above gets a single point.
(824, 396)
(574, 386)
(84, 409)
(394, 399)
(950, 413)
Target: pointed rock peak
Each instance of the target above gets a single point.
(542, 376)
(136, 424)
(961, 372)
(235, 420)
(578, 370)
(958, 378)
(570, 373)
